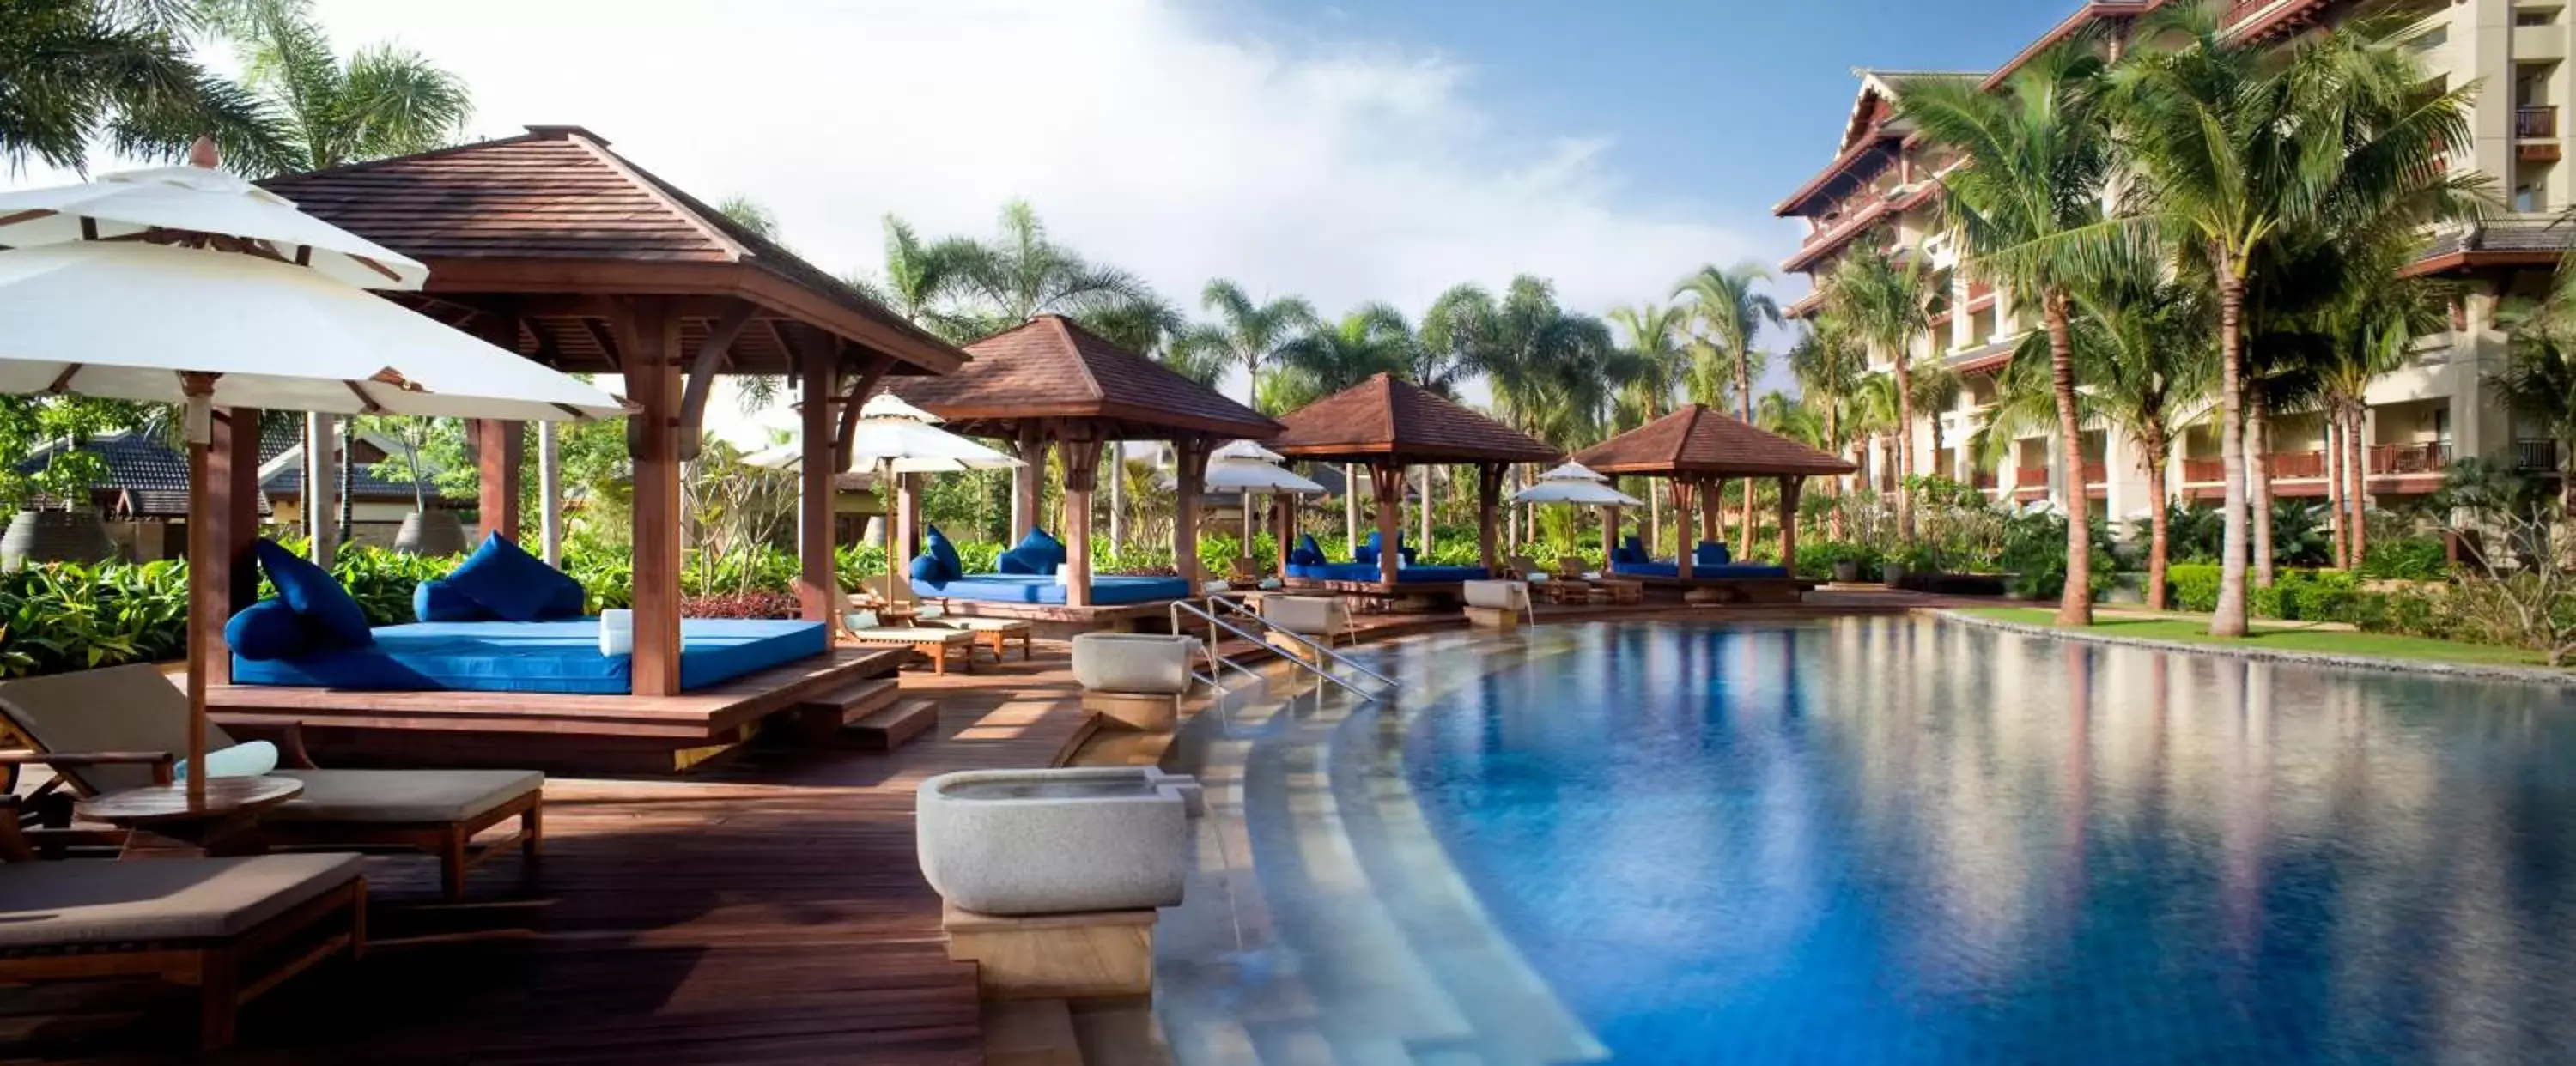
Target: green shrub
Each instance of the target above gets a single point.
(1817, 561)
(2191, 587)
(2406, 559)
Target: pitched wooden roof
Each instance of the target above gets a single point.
(550, 225)
(1388, 418)
(1699, 442)
(1050, 369)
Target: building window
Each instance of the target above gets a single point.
(2527, 199)
(2541, 17)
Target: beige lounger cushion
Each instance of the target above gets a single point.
(986, 625)
(903, 635)
(404, 796)
(50, 904)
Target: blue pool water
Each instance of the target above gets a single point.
(1908, 841)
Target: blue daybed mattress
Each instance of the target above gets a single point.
(1698, 570)
(1106, 589)
(533, 657)
(1410, 575)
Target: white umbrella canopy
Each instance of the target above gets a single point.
(1576, 484)
(898, 438)
(201, 200)
(1244, 449)
(1572, 472)
(126, 320)
(1250, 475)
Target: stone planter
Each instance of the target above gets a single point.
(1847, 572)
(1892, 575)
(431, 533)
(55, 537)
(1021, 842)
(1134, 662)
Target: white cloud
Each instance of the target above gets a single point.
(1160, 135)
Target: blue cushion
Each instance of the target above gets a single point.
(268, 630)
(950, 567)
(1012, 562)
(560, 656)
(926, 568)
(1042, 548)
(1711, 553)
(334, 619)
(512, 584)
(1305, 557)
(1368, 572)
(1106, 589)
(435, 600)
(1306, 543)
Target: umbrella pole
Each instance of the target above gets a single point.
(885, 526)
(205, 601)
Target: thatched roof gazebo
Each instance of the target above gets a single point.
(1696, 449)
(1050, 382)
(1387, 424)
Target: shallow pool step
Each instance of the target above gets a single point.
(887, 728)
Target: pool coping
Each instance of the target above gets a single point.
(2536, 675)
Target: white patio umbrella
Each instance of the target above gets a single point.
(1576, 484)
(203, 307)
(1244, 449)
(1237, 473)
(898, 438)
(200, 201)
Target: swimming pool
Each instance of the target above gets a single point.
(1911, 841)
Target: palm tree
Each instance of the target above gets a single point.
(1149, 326)
(2202, 124)
(2372, 334)
(1373, 340)
(80, 69)
(2538, 381)
(1730, 314)
(923, 279)
(1887, 301)
(2034, 158)
(1657, 359)
(1550, 370)
(1022, 273)
(1936, 389)
(385, 100)
(1828, 369)
(1255, 332)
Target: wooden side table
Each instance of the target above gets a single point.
(225, 824)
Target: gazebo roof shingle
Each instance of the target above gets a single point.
(554, 211)
(1050, 368)
(1697, 441)
(1388, 418)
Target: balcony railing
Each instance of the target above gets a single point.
(2297, 466)
(2030, 477)
(2535, 455)
(1984, 479)
(2540, 121)
(2410, 458)
(2204, 471)
(2097, 473)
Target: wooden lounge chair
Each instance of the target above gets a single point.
(993, 633)
(231, 928)
(927, 638)
(109, 730)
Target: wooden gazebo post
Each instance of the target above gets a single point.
(1386, 482)
(817, 586)
(1189, 476)
(1684, 547)
(650, 340)
(1789, 487)
(1712, 522)
(1609, 535)
(1489, 501)
(1081, 475)
(1028, 483)
(501, 447)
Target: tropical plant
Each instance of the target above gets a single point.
(83, 70)
(384, 100)
(2234, 142)
(2538, 380)
(1251, 334)
(1729, 314)
(1655, 340)
(921, 279)
(2368, 331)
(1022, 273)
(2026, 201)
(1887, 302)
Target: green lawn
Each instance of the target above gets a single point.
(2284, 636)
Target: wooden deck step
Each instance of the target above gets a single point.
(1030, 1032)
(887, 728)
(821, 718)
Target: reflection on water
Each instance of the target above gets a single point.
(1912, 841)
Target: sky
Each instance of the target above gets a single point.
(1345, 152)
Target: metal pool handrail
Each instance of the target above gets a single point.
(1217, 624)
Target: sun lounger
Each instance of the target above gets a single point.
(994, 633)
(110, 730)
(231, 928)
(928, 639)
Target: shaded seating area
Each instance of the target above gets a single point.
(1049, 384)
(1696, 450)
(1391, 425)
(662, 302)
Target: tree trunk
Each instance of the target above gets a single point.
(1425, 545)
(2334, 487)
(2228, 620)
(2157, 533)
(2075, 604)
(1116, 460)
(1351, 505)
(1654, 519)
(1903, 441)
(348, 477)
(2258, 483)
(2357, 497)
(1744, 410)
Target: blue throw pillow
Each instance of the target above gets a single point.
(926, 568)
(1012, 562)
(950, 567)
(1041, 548)
(1711, 553)
(435, 600)
(569, 601)
(334, 619)
(512, 584)
(266, 631)
(1306, 543)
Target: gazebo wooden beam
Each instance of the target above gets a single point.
(702, 374)
(862, 384)
(1189, 462)
(500, 445)
(1684, 492)
(1789, 487)
(817, 586)
(1489, 502)
(1081, 476)
(1029, 480)
(232, 510)
(650, 335)
(1386, 483)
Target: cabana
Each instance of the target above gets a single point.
(1389, 425)
(552, 245)
(1696, 450)
(1049, 383)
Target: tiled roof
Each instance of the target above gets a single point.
(2495, 242)
(1051, 368)
(1385, 417)
(1698, 441)
(152, 475)
(557, 195)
